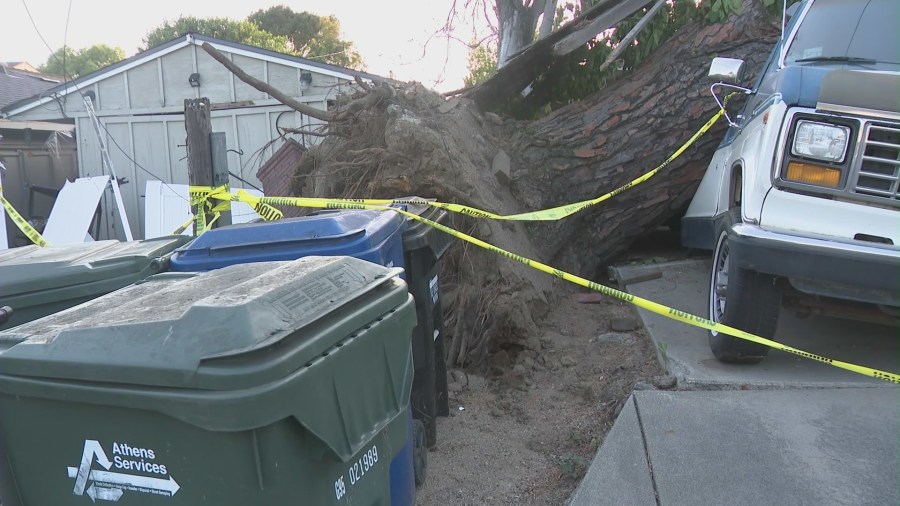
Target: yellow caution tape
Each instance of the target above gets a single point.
(30, 232)
(655, 307)
(183, 227)
(649, 305)
(201, 205)
(553, 214)
(215, 218)
(202, 198)
(267, 212)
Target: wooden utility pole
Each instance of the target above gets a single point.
(219, 152)
(198, 126)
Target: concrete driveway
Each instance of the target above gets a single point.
(786, 431)
(684, 285)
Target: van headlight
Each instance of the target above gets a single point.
(822, 141)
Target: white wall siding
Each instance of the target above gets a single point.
(141, 105)
(253, 138)
(124, 168)
(284, 78)
(111, 95)
(176, 68)
(178, 171)
(143, 86)
(256, 68)
(88, 151)
(149, 153)
(215, 79)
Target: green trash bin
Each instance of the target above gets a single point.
(257, 384)
(37, 282)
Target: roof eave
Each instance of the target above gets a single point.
(75, 86)
(177, 43)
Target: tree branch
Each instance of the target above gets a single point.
(266, 87)
(626, 41)
(372, 98)
(605, 21)
(308, 132)
(547, 23)
(362, 84)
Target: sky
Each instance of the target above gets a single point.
(391, 35)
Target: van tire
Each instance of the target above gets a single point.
(740, 298)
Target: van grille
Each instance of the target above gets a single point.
(879, 167)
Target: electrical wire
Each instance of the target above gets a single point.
(62, 109)
(257, 156)
(132, 160)
(65, 40)
(108, 134)
(239, 178)
(40, 36)
(34, 24)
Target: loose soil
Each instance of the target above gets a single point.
(524, 432)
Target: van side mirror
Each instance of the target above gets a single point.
(729, 70)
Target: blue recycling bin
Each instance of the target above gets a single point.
(375, 236)
(403, 487)
(368, 235)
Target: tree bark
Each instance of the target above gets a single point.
(410, 141)
(549, 14)
(520, 68)
(598, 144)
(518, 22)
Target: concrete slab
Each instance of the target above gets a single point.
(683, 285)
(799, 447)
(619, 473)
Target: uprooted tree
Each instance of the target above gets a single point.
(402, 140)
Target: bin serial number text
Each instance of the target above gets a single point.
(356, 471)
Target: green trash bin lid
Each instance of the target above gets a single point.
(262, 383)
(233, 349)
(174, 334)
(38, 281)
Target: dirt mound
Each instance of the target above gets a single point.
(395, 140)
(414, 143)
(525, 431)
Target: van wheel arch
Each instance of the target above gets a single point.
(735, 187)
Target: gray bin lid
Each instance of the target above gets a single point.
(32, 269)
(226, 329)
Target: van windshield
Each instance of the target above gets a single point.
(859, 33)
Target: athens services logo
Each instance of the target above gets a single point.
(109, 484)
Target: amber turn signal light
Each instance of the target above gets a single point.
(813, 174)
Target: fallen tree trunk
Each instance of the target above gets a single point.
(410, 141)
(595, 145)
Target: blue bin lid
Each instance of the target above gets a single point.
(347, 233)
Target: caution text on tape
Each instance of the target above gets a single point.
(647, 304)
(556, 213)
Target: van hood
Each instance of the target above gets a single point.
(836, 90)
(876, 93)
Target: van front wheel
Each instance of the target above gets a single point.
(740, 298)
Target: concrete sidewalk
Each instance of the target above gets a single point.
(684, 285)
(799, 447)
(786, 431)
